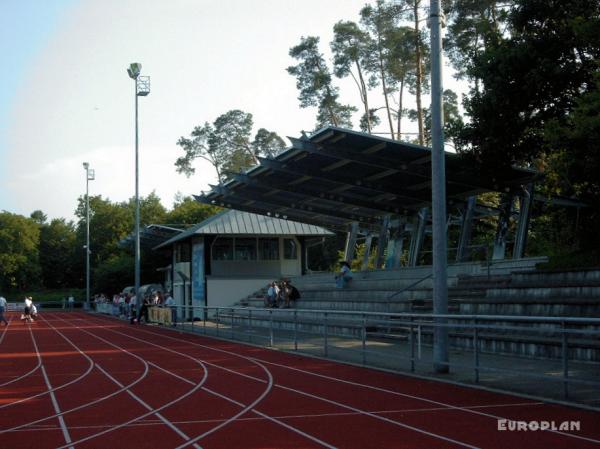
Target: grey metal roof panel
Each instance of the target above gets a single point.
(235, 222)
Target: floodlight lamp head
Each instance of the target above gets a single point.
(86, 165)
(134, 70)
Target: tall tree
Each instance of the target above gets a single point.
(401, 66)
(453, 121)
(187, 210)
(473, 26)
(151, 209)
(226, 144)
(531, 77)
(537, 101)
(313, 80)
(350, 47)
(39, 217)
(419, 66)
(57, 251)
(380, 20)
(109, 223)
(19, 255)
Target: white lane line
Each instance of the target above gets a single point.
(261, 418)
(168, 423)
(5, 329)
(90, 367)
(431, 401)
(79, 407)
(61, 421)
(262, 415)
(22, 376)
(231, 419)
(138, 418)
(363, 412)
(244, 410)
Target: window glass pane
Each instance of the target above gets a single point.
(223, 249)
(268, 249)
(182, 252)
(290, 249)
(245, 249)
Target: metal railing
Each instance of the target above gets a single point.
(567, 354)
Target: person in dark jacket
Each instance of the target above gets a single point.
(292, 293)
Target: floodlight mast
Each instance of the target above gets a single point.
(134, 71)
(90, 175)
(438, 194)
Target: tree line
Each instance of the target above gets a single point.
(37, 253)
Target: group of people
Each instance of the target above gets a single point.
(280, 293)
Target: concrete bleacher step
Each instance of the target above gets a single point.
(501, 292)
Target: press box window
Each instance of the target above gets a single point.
(290, 249)
(268, 249)
(223, 249)
(245, 249)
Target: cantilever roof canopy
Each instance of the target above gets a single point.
(339, 176)
(151, 235)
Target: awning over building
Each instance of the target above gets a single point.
(235, 222)
(151, 235)
(337, 176)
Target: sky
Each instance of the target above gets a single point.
(65, 96)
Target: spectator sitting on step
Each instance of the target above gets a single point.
(291, 293)
(272, 294)
(282, 299)
(344, 276)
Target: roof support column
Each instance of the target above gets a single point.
(365, 262)
(506, 205)
(417, 236)
(525, 202)
(351, 242)
(394, 253)
(382, 241)
(462, 253)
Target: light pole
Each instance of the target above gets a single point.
(90, 175)
(438, 192)
(141, 89)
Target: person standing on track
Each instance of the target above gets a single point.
(3, 305)
(27, 310)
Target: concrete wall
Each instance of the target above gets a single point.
(223, 292)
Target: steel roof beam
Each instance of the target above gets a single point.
(290, 204)
(268, 211)
(342, 180)
(279, 184)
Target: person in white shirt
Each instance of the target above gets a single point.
(3, 305)
(272, 292)
(27, 310)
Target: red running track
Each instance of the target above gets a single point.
(92, 382)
